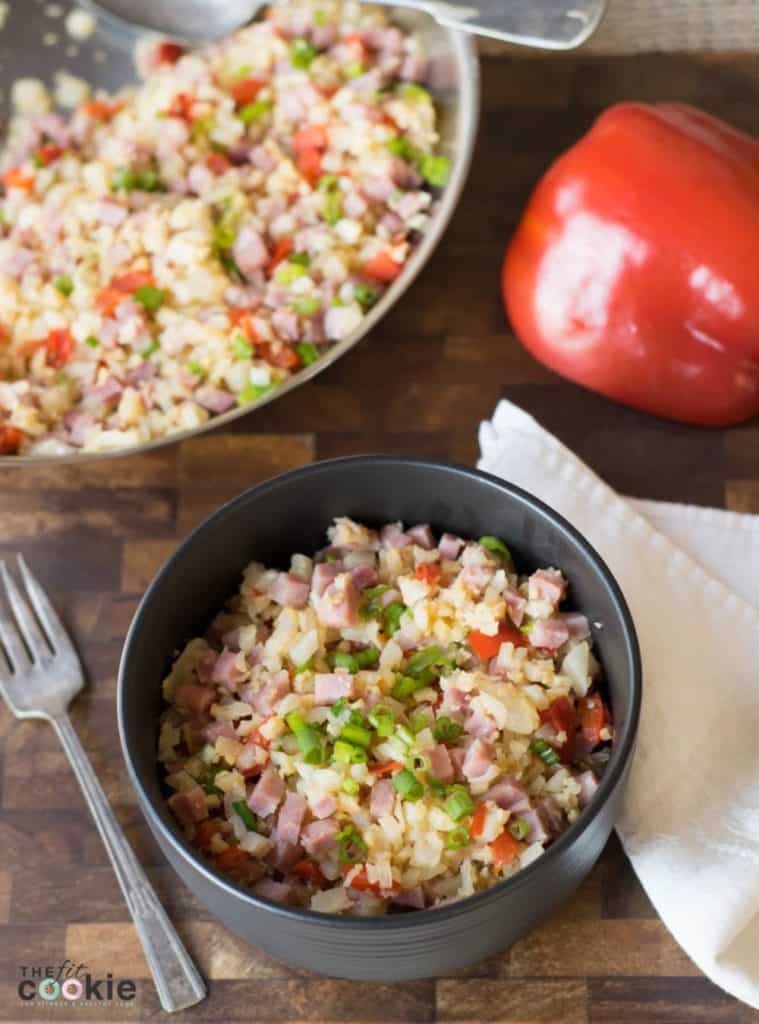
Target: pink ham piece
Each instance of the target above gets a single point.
(476, 577)
(478, 724)
(268, 889)
(441, 766)
(285, 855)
(325, 807)
(538, 833)
(478, 759)
(454, 700)
(547, 585)
(291, 818)
(508, 795)
(227, 670)
(267, 793)
(392, 536)
(215, 400)
(422, 536)
(206, 665)
(576, 623)
(410, 898)
(457, 760)
(289, 591)
(318, 837)
(588, 786)
(196, 699)
(551, 815)
(331, 686)
(450, 546)
(515, 605)
(338, 606)
(189, 805)
(272, 693)
(364, 576)
(324, 574)
(250, 251)
(382, 798)
(549, 633)
(214, 730)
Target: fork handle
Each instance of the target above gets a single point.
(176, 978)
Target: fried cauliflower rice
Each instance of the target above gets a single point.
(395, 722)
(183, 247)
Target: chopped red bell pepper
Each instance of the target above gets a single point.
(560, 715)
(478, 821)
(283, 356)
(246, 90)
(429, 572)
(309, 145)
(383, 267)
(46, 155)
(592, 715)
(282, 249)
(504, 849)
(59, 345)
(308, 871)
(218, 163)
(169, 53)
(633, 269)
(10, 439)
(15, 177)
(486, 647)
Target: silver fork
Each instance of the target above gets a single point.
(40, 674)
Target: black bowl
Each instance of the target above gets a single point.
(291, 513)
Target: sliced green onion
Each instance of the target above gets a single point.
(351, 787)
(196, 368)
(207, 782)
(367, 658)
(382, 718)
(457, 838)
(413, 91)
(406, 687)
(242, 810)
(435, 170)
(254, 111)
(419, 722)
(391, 616)
(225, 233)
(404, 734)
(150, 298)
(438, 788)
(527, 628)
(310, 745)
(308, 352)
(497, 546)
(407, 784)
(252, 392)
(302, 54)
(545, 752)
(419, 763)
(519, 828)
(306, 666)
(459, 804)
(445, 729)
(244, 71)
(338, 707)
(150, 181)
(288, 273)
(148, 352)
(348, 753)
(64, 284)
(357, 734)
(299, 259)
(372, 596)
(124, 178)
(341, 659)
(307, 305)
(365, 295)
(295, 721)
(241, 347)
(92, 341)
(422, 660)
(320, 18)
(201, 129)
(400, 146)
(352, 847)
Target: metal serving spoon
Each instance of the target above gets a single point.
(548, 24)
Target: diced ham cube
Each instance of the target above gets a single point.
(324, 574)
(267, 888)
(547, 585)
(325, 807)
(576, 623)
(515, 605)
(267, 793)
(450, 546)
(227, 669)
(551, 815)
(215, 400)
(272, 693)
(509, 795)
(285, 854)
(195, 699)
(392, 536)
(441, 766)
(588, 786)
(364, 576)
(457, 760)
(189, 805)
(214, 730)
(422, 536)
(549, 633)
(538, 833)
(478, 759)
(382, 798)
(291, 818)
(481, 725)
(250, 251)
(289, 591)
(410, 898)
(318, 837)
(331, 686)
(338, 606)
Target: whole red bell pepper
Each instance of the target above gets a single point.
(635, 270)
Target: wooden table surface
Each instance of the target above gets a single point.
(421, 383)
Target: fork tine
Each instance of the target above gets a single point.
(57, 636)
(9, 634)
(35, 641)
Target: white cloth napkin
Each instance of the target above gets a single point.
(690, 822)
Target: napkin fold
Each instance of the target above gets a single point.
(690, 820)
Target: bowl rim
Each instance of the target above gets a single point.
(464, 51)
(614, 774)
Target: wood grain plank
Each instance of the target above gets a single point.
(660, 1001)
(512, 1001)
